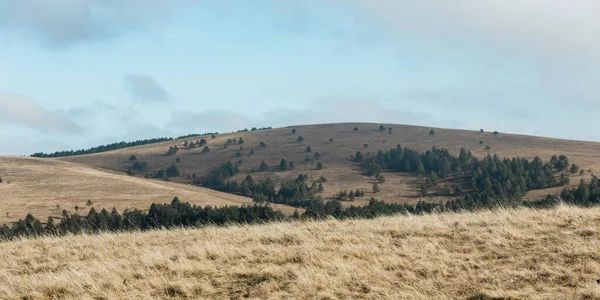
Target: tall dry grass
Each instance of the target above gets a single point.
(522, 254)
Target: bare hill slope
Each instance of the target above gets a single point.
(44, 187)
(509, 254)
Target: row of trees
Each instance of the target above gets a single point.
(103, 148)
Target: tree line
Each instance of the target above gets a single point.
(102, 148)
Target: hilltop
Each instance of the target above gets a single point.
(336, 143)
(521, 254)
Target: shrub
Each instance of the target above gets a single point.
(319, 166)
(132, 158)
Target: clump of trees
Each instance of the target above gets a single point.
(486, 180)
(172, 150)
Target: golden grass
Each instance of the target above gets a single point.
(37, 186)
(522, 254)
(341, 173)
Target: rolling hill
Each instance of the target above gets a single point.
(501, 254)
(44, 187)
(336, 143)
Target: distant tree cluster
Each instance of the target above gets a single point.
(103, 148)
(196, 135)
(255, 129)
(349, 195)
(172, 150)
(487, 179)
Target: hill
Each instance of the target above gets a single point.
(521, 254)
(45, 187)
(335, 144)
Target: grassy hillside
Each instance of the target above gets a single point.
(522, 254)
(338, 169)
(44, 187)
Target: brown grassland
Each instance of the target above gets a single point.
(510, 254)
(37, 186)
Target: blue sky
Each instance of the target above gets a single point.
(78, 73)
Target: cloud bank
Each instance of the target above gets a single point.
(17, 109)
(60, 23)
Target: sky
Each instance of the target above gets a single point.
(80, 73)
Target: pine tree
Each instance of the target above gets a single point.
(319, 166)
(294, 131)
(283, 165)
(206, 149)
(132, 158)
(308, 149)
(375, 188)
(263, 166)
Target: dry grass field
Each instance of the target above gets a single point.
(340, 172)
(510, 254)
(44, 187)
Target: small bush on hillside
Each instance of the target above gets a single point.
(300, 139)
(294, 131)
(132, 158)
(262, 144)
(319, 166)
(206, 149)
(381, 128)
(431, 132)
(308, 149)
(355, 129)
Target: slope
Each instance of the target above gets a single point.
(44, 187)
(336, 143)
(521, 254)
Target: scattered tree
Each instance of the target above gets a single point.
(322, 179)
(487, 148)
(177, 160)
(291, 165)
(481, 130)
(262, 144)
(331, 140)
(496, 133)
(241, 141)
(283, 165)
(172, 171)
(294, 131)
(375, 188)
(205, 150)
(319, 166)
(380, 178)
(132, 158)
(381, 128)
(355, 129)
(308, 149)
(300, 139)
(574, 169)
(365, 145)
(431, 132)
(89, 203)
(317, 155)
(263, 166)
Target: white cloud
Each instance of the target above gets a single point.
(17, 109)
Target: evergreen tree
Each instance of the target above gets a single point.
(317, 155)
(172, 171)
(319, 166)
(381, 128)
(308, 149)
(355, 129)
(263, 166)
(300, 139)
(331, 140)
(283, 165)
(375, 188)
(291, 165)
(205, 150)
(132, 158)
(294, 131)
(431, 132)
